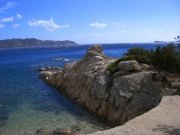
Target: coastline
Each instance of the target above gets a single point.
(88, 83)
(63, 80)
(162, 120)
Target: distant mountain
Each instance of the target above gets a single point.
(161, 42)
(29, 42)
(167, 42)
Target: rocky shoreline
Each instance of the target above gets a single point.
(115, 99)
(162, 120)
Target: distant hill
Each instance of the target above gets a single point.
(166, 42)
(161, 42)
(29, 42)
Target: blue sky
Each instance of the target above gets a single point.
(91, 21)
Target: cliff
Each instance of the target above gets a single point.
(115, 99)
(28, 42)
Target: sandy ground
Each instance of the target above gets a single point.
(162, 120)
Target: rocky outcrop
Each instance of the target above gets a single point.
(171, 83)
(162, 120)
(113, 98)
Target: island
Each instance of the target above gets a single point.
(31, 42)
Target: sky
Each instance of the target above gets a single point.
(91, 21)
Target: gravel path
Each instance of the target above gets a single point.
(162, 120)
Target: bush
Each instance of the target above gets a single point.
(126, 58)
(112, 68)
(140, 54)
(165, 58)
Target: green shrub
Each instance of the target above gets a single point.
(126, 58)
(136, 51)
(165, 58)
(112, 68)
(140, 54)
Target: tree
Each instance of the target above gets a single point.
(177, 38)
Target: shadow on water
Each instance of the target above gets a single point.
(58, 103)
(3, 115)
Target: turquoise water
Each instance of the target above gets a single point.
(27, 103)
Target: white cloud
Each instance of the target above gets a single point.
(98, 25)
(15, 25)
(2, 26)
(19, 16)
(7, 6)
(10, 19)
(7, 19)
(47, 24)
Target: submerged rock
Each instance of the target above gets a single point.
(49, 69)
(57, 131)
(43, 131)
(63, 132)
(114, 99)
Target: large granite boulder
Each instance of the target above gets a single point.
(114, 99)
(130, 65)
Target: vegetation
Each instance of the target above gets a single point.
(177, 38)
(163, 58)
(166, 58)
(140, 54)
(112, 68)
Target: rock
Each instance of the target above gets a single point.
(46, 75)
(170, 91)
(131, 66)
(114, 99)
(107, 73)
(62, 132)
(59, 68)
(50, 69)
(146, 67)
(96, 48)
(43, 131)
(57, 131)
(95, 51)
(175, 85)
(41, 69)
(157, 77)
(132, 95)
(171, 79)
(75, 128)
(120, 73)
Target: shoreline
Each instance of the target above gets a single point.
(163, 119)
(114, 99)
(66, 80)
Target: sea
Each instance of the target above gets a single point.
(28, 104)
